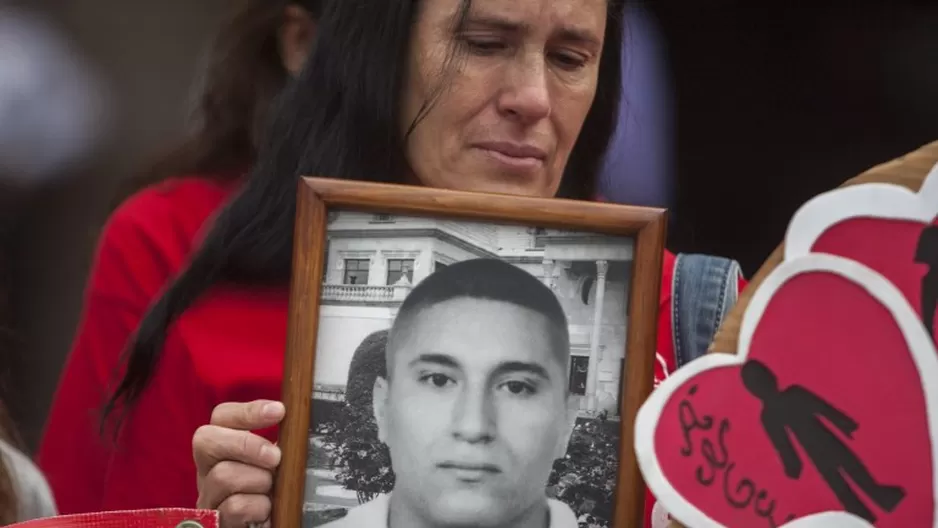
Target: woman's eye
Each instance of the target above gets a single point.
(485, 46)
(569, 61)
(437, 380)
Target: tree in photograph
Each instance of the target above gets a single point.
(585, 479)
(367, 365)
(364, 461)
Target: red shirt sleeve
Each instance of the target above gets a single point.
(142, 246)
(152, 465)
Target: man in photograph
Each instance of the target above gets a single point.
(475, 407)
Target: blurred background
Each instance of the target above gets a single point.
(734, 115)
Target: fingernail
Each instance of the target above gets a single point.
(271, 455)
(272, 410)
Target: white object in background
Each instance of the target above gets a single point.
(52, 108)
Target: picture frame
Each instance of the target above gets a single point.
(319, 199)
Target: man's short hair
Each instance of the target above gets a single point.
(487, 279)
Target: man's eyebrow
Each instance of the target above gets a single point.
(507, 367)
(442, 360)
(510, 367)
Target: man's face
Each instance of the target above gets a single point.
(475, 412)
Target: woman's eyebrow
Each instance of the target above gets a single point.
(507, 25)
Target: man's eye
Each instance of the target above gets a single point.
(437, 380)
(520, 388)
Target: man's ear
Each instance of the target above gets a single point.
(379, 398)
(295, 37)
(572, 412)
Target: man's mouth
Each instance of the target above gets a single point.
(470, 471)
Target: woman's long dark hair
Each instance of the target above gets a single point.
(243, 75)
(340, 117)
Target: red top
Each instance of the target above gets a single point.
(226, 347)
(145, 242)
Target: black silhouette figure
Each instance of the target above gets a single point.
(927, 253)
(797, 412)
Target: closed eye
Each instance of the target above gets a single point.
(569, 61)
(484, 46)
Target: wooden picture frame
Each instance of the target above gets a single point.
(318, 197)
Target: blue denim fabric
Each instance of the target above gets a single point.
(705, 288)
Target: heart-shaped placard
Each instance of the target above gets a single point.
(825, 409)
(886, 227)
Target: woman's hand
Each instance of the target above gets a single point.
(235, 466)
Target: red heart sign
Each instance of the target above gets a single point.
(886, 227)
(825, 409)
(156, 518)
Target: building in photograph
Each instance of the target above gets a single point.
(373, 260)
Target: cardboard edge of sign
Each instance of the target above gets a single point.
(869, 200)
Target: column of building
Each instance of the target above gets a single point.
(592, 374)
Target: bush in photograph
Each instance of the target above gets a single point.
(352, 436)
(585, 479)
(364, 462)
(368, 364)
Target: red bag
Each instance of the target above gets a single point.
(158, 518)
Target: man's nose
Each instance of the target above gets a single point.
(474, 416)
(525, 96)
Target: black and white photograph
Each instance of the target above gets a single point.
(470, 370)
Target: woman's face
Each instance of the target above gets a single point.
(507, 111)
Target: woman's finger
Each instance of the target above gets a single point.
(258, 414)
(212, 444)
(239, 511)
(230, 478)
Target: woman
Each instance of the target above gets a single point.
(495, 96)
(498, 96)
(150, 237)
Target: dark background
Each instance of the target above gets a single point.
(774, 103)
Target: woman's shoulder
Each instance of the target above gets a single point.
(176, 202)
(34, 498)
(151, 235)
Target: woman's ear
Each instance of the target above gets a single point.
(295, 36)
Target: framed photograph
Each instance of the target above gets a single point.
(455, 357)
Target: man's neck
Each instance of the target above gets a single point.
(401, 515)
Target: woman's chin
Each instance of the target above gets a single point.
(534, 186)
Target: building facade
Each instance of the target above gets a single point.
(373, 260)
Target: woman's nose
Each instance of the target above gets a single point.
(525, 96)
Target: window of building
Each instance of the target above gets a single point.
(398, 268)
(437, 265)
(579, 367)
(356, 271)
(382, 219)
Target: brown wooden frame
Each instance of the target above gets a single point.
(317, 196)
